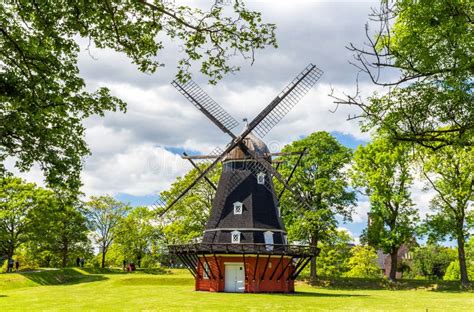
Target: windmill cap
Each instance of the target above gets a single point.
(254, 144)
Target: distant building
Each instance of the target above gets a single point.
(385, 261)
(404, 255)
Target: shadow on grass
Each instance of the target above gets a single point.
(144, 281)
(384, 284)
(317, 294)
(153, 271)
(102, 271)
(62, 277)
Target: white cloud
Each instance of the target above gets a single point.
(361, 210)
(137, 170)
(355, 238)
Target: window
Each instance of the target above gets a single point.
(238, 207)
(268, 235)
(205, 270)
(261, 178)
(235, 237)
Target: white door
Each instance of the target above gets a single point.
(234, 277)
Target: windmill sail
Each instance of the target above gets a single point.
(287, 99)
(207, 105)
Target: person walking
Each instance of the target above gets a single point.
(10, 265)
(17, 265)
(82, 262)
(78, 262)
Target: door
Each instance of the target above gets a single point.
(234, 277)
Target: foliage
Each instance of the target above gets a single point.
(453, 272)
(363, 263)
(185, 222)
(44, 99)
(430, 45)
(382, 171)
(321, 179)
(450, 172)
(136, 234)
(334, 255)
(18, 203)
(104, 214)
(61, 233)
(431, 261)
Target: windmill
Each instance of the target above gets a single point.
(244, 247)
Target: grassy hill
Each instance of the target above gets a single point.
(75, 289)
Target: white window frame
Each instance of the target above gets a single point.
(285, 239)
(232, 235)
(261, 178)
(205, 269)
(268, 237)
(238, 205)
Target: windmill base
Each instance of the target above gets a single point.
(248, 273)
(249, 268)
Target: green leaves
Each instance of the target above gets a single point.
(322, 180)
(450, 172)
(43, 97)
(185, 221)
(430, 48)
(20, 204)
(381, 170)
(363, 263)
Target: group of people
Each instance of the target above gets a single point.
(80, 262)
(12, 263)
(129, 267)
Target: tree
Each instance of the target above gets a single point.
(321, 179)
(450, 172)
(432, 260)
(430, 45)
(185, 222)
(18, 201)
(363, 263)
(61, 230)
(104, 215)
(43, 97)
(334, 255)
(381, 171)
(136, 234)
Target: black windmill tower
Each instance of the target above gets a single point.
(244, 226)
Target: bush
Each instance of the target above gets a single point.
(363, 263)
(453, 271)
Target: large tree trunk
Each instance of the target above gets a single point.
(393, 264)
(313, 274)
(462, 260)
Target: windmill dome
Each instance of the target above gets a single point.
(254, 144)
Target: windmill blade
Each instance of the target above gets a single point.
(202, 174)
(199, 170)
(286, 100)
(269, 168)
(293, 171)
(207, 106)
(288, 97)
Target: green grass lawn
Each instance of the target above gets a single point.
(73, 289)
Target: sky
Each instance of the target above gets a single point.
(136, 155)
